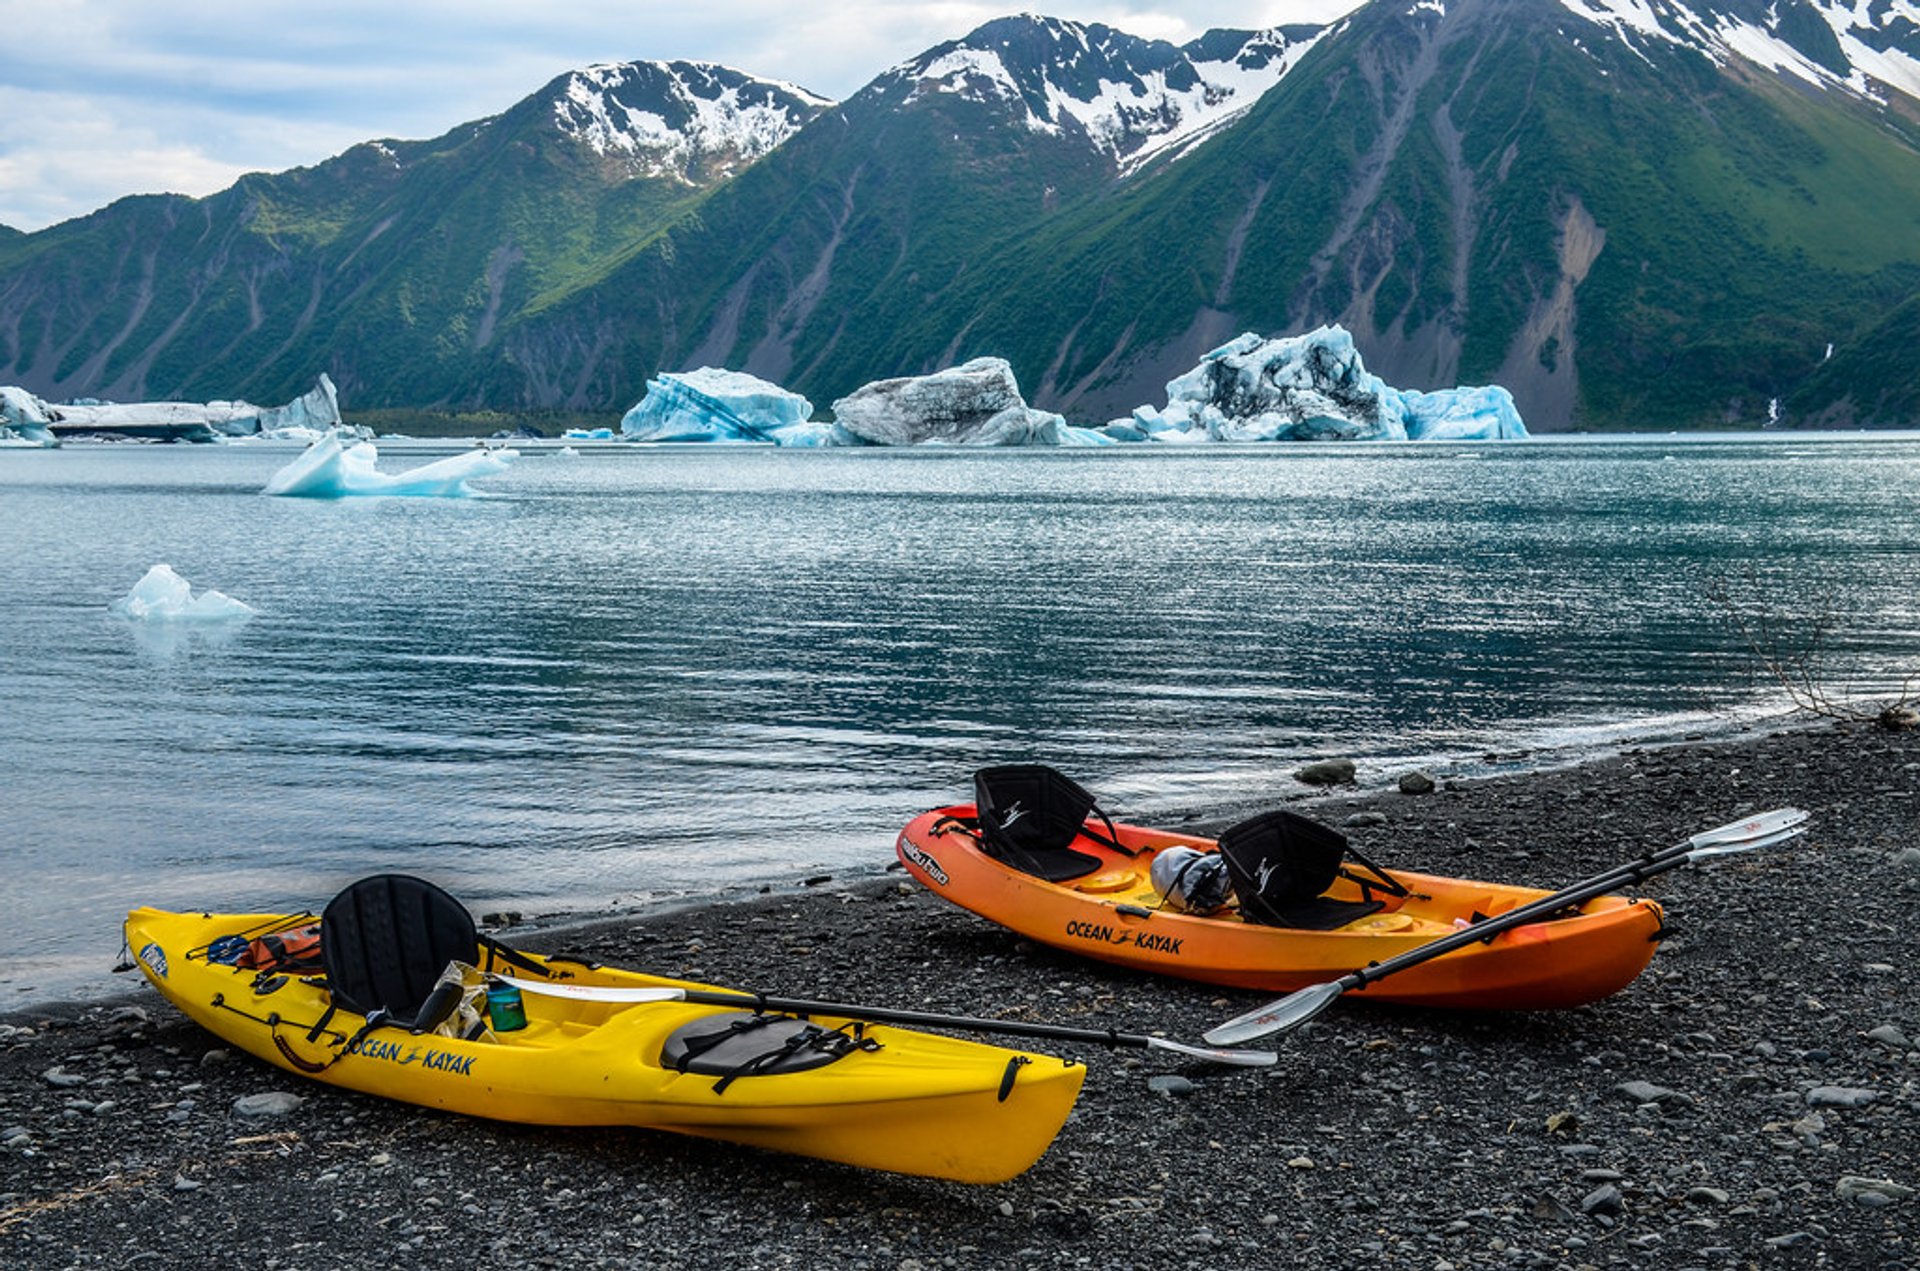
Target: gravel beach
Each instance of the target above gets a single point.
(1752, 1100)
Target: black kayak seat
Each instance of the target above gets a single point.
(385, 941)
(1281, 865)
(1030, 816)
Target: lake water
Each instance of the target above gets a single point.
(642, 674)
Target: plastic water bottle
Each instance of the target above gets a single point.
(506, 1013)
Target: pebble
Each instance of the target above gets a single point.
(1840, 1097)
(1171, 1084)
(62, 1078)
(1604, 1201)
(1890, 1037)
(269, 1103)
(1416, 783)
(1792, 1240)
(1326, 772)
(1707, 1196)
(1853, 1187)
(181, 1183)
(1361, 820)
(1646, 1092)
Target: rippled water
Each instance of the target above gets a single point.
(646, 673)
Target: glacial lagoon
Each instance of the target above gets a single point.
(638, 674)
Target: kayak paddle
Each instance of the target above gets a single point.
(1295, 1009)
(888, 1015)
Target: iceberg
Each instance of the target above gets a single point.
(587, 434)
(164, 596)
(326, 471)
(975, 404)
(316, 411)
(1312, 387)
(712, 404)
(23, 419)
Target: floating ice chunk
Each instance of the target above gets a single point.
(566, 452)
(24, 419)
(711, 404)
(587, 434)
(325, 471)
(813, 433)
(975, 404)
(1462, 414)
(317, 410)
(164, 596)
(1314, 387)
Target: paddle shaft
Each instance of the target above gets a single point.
(1578, 894)
(927, 1019)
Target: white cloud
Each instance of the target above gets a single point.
(103, 98)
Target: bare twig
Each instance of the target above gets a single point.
(1795, 649)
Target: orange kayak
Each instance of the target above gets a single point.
(1112, 912)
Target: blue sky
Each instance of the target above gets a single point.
(104, 98)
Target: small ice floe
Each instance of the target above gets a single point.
(164, 596)
(326, 471)
(566, 452)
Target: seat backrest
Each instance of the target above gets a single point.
(386, 939)
(1278, 861)
(1028, 808)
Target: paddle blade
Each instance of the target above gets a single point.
(1238, 1058)
(594, 992)
(1748, 829)
(1748, 845)
(1281, 1016)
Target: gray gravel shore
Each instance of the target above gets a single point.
(1752, 1100)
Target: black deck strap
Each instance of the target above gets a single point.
(1391, 884)
(272, 926)
(513, 957)
(700, 1043)
(813, 1037)
(968, 825)
(313, 1034)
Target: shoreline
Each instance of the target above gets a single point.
(1384, 1137)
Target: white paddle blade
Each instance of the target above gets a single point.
(1237, 1058)
(1750, 828)
(1281, 1016)
(593, 992)
(1728, 849)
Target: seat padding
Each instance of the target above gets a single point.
(385, 941)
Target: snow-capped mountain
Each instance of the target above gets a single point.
(685, 120)
(1129, 98)
(1866, 46)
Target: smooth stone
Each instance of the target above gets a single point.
(1792, 1240)
(1326, 772)
(1171, 1084)
(1854, 1187)
(1707, 1196)
(270, 1103)
(1416, 783)
(1603, 1201)
(1360, 820)
(1644, 1092)
(1892, 1038)
(63, 1079)
(1840, 1097)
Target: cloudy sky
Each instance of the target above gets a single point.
(103, 98)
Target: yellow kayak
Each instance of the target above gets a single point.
(862, 1093)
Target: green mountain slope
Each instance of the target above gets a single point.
(391, 266)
